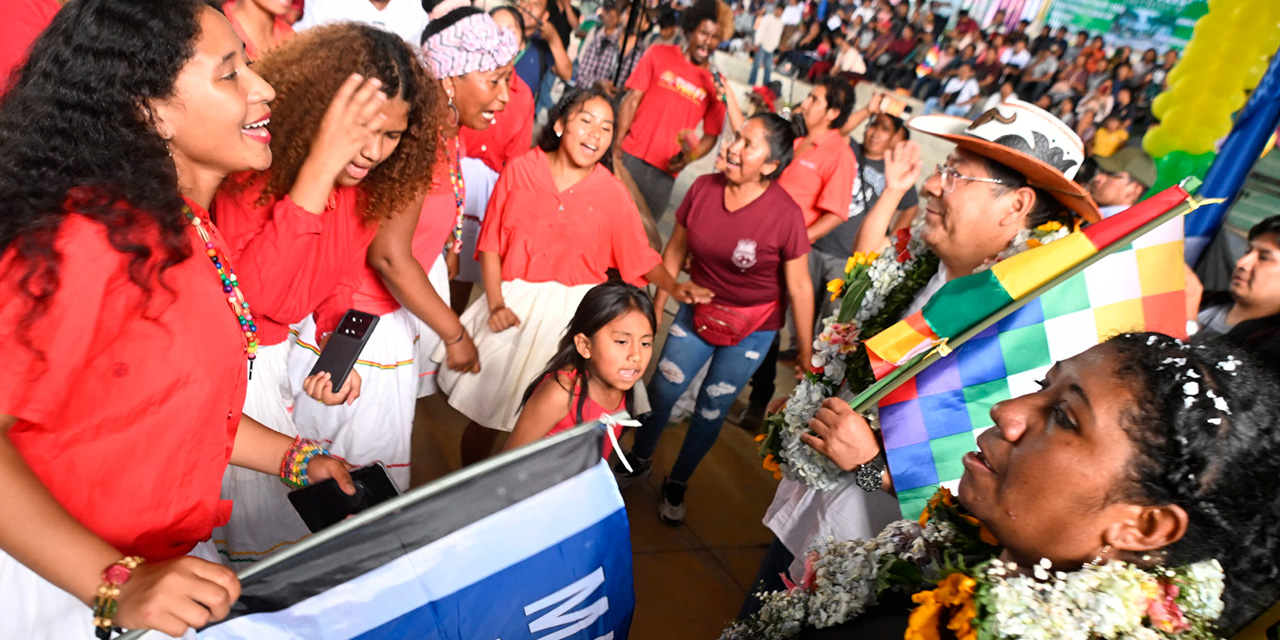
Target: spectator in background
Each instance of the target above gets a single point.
(671, 91)
(1016, 58)
(405, 18)
(1048, 40)
(792, 16)
(958, 96)
(1066, 111)
(544, 54)
(1039, 75)
(1005, 94)
(966, 25)
(767, 38)
(998, 25)
(668, 30)
(849, 63)
(1099, 102)
(1146, 64)
(866, 10)
(988, 70)
(1094, 55)
(1078, 46)
(603, 52)
(1072, 81)
(1121, 180)
(1170, 59)
(1249, 309)
(1110, 137)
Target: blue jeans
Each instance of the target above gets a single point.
(682, 356)
(763, 59)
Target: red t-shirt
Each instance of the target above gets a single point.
(280, 31)
(435, 224)
(677, 95)
(288, 259)
(739, 255)
(21, 22)
(821, 180)
(573, 236)
(511, 133)
(130, 418)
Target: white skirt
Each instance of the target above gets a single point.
(480, 181)
(512, 359)
(428, 339)
(377, 426)
(262, 518)
(34, 609)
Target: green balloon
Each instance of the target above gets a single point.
(1173, 167)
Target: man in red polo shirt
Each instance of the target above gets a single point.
(669, 92)
(820, 179)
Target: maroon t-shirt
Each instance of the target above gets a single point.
(739, 255)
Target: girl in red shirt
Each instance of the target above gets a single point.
(405, 281)
(604, 351)
(556, 223)
(304, 227)
(126, 356)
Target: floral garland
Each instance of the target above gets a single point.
(946, 561)
(874, 293)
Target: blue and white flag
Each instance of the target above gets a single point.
(533, 544)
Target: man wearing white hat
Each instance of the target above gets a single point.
(1011, 171)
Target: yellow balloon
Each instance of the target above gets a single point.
(1157, 142)
(1253, 73)
(1161, 105)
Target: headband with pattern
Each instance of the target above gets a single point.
(474, 43)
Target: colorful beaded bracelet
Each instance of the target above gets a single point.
(293, 468)
(104, 602)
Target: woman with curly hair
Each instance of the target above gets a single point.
(557, 222)
(303, 227)
(406, 277)
(126, 361)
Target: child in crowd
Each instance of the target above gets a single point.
(604, 351)
(1110, 137)
(367, 112)
(557, 222)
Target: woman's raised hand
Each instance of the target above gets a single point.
(354, 116)
(174, 595)
(902, 165)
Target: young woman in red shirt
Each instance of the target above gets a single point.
(127, 339)
(406, 281)
(557, 222)
(749, 246)
(370, 113)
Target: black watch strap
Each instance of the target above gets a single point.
(870, 476)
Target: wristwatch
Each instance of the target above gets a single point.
(870, 476)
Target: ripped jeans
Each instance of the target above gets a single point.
(682, 356)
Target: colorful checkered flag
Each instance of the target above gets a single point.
(990, 336)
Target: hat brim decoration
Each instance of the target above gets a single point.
(1028, 140)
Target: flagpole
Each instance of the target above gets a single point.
(871, 397)
(1254, 126)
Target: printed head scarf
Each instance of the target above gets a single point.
(461, 39)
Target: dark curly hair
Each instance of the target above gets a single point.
(1217, 458)
(701, 11)
(307, 70)
(570, 103)
(77, 137)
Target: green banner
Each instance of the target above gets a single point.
(1140, 24)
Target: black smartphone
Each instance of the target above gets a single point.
(344, 346)
(324, 504)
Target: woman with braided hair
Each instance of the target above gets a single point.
(1145, 450)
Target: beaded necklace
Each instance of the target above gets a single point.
(230, 286)
(459, 186)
